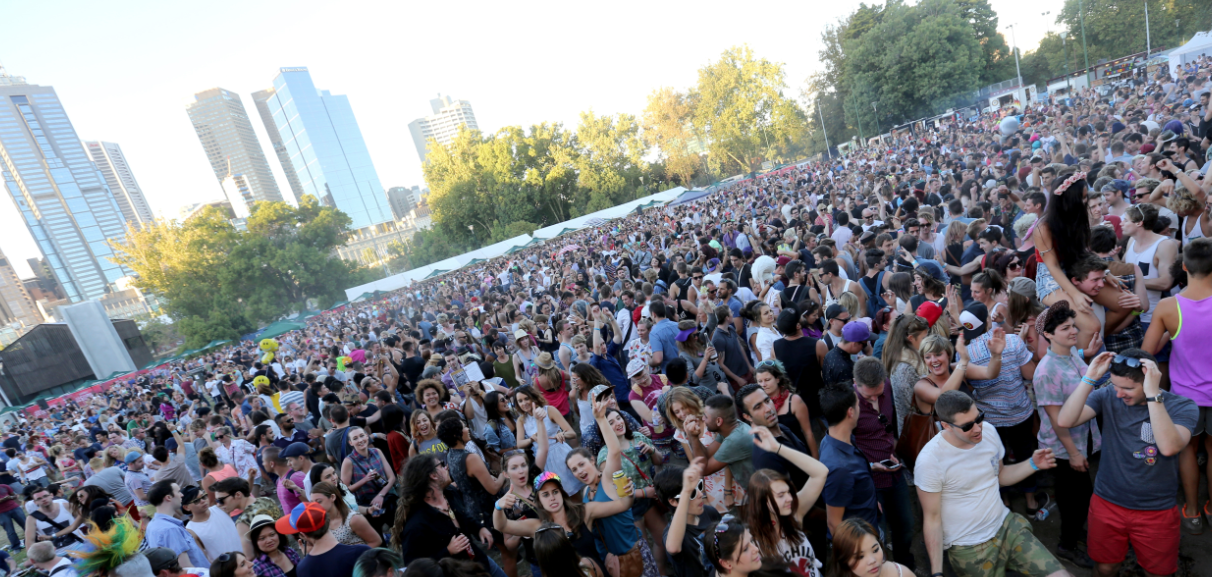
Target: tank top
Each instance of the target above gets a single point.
(226, 472)
(345, 535)
(477, 502)
(1144, 258)
(1197, 231)
(1190, 371)
(829, 298)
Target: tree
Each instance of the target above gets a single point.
(668, 127)
(742, 110)
(998, 60)
(610, 162)
(218, 283)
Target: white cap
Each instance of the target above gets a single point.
(970, 321)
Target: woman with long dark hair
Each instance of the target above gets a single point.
(858, 552)
(272, 554)
(732, 549)
(792, 410)
(557, 556)
(325, 473)
(347, 525)
(1059, 244)
(500, 430)
(776, 514)
(552, 424)
(232, 565)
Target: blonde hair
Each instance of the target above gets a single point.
(1182, 202)
(110, 460)
(691, 402)
(936, 344)
(850, 302)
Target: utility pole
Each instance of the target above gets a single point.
(1017, 71)
(858, 121)
(1068, 77)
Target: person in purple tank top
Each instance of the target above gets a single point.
(1185, 318)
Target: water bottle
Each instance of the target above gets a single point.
(1043, 513)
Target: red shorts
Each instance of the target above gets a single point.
(1154, 536)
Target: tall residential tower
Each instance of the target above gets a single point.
(325, 148)
(443, 125)
(62, 196)
(112, 164)
(231, 146)
(261, 101)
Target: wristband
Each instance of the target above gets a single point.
(1033, 465)
(497, 505)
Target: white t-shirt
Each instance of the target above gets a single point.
(968, 480)
(218, 534)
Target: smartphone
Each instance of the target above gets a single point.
(891, 465)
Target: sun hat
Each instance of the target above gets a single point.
(259, 521)
(304, 518)
(544, 361)
(520, 334)
(635, 367)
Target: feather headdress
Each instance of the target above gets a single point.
(110, 548)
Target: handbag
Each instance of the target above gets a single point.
(917, 431)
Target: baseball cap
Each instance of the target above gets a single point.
(545, 477)
(934, 270)
(160, 559)
(1023, 286)
(304, 518)
(973, 319)
(132, 456)
(856, 332)
(190, 493)
(597, 391)
(685, 334)
(295, 450)
(930, 311)
(782, 261)
(635, 367)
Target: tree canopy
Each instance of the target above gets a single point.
(216, 282)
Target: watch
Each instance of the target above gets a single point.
(1156, 399)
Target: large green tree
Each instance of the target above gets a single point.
(217, 283)
(668, 128)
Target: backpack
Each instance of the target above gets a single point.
(875, 302)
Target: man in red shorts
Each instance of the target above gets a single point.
(1136, 491)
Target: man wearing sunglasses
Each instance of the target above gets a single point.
(959, 475)
(1144, 429)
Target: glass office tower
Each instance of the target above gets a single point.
(62, 196)
(325, 147)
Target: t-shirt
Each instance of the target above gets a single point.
(972, 509)
(1003, 399)
(736, 451)
(113, 481)
(218, 534)
(338, 562)
(138, 481)
(9, 505)
(1133, 473)
(692, 560)
(849, 484)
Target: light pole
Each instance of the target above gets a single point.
(1081, 12)
(1017, 71)
(823, 131)
(1148, 39)
(879, 133)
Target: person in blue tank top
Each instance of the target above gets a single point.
(618, 539)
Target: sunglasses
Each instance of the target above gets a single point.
(1014, 265)
(722, 527)
(887, 424)
(1130, 361)
(220, 500)
(698, 490)
(224, 558)
(980, 418)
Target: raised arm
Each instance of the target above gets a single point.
(1075, 411)
(817, 471)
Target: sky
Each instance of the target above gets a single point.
(126, 70)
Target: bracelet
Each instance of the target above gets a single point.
(779, 450)
(1033, 465)
(497, 505)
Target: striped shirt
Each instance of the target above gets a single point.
(1004, 399)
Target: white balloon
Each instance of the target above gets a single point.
(1009, 125)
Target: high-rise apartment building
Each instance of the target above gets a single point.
(443, 125)
(15, 303)
(231, 146)
(325, 147)
(403, 199)
(239, 194)
(113, 166)
(60, 193)
(261, 101)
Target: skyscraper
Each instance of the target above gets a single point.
(112, 164)
(15, 303)
(325, 147)
(402, 199)
(261, 101)
(443, 125)
(60, 193)
(231, 146)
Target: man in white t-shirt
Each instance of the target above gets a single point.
(212, 526)
(958, 477)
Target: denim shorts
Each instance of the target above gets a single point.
(1044, 283)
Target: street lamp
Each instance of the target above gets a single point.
(879, 133)
(823, 131)
(1148, 39)
(1081, 12)
(1017, 71)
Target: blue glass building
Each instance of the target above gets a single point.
(325, 147)
(63, 197)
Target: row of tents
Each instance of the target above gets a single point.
(674, 195)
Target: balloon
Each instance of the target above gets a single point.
(1010, 125)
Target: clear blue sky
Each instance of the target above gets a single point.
(125, 70)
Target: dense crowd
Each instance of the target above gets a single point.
(807, 372)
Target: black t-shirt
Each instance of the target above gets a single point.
(339, 562)
(692, 561)
(838, 367)
(763, 459)
(413, 367)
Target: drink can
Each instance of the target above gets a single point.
(620, 484)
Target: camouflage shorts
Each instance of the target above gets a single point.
(1014, 548)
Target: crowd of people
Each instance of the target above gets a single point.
(936, 329)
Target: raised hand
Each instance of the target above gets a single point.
(997, 341)
(1044, 459)
(762, 438)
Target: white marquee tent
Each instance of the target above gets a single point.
(1199, 45)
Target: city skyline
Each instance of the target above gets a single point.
(360, 57)
(225, 132)
(449, 116)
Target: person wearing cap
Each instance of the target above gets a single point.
(209, 524)
(273, 557)
(163, 562)
(298, 457)
(137, 481)
(165, 530)
(839, 361)
(325, 556)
